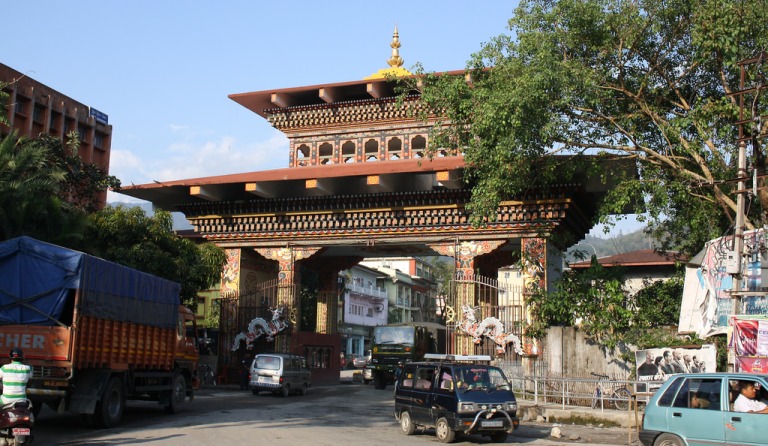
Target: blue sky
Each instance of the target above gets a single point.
(162, 70)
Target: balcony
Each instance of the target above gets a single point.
(367, 291)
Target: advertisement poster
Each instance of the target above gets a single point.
(707, 304)
(746, 364)
(658, 364)
(748, 338)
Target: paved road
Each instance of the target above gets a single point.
(345, 414)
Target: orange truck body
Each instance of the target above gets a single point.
(96, 333)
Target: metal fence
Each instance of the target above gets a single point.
(540, 387)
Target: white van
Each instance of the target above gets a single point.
(281, 373)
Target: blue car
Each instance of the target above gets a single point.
(698, 409)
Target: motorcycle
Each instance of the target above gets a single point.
(16, 421)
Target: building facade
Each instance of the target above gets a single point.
(34, 108)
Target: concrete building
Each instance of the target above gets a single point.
(639, 266)
(410, 285)
(33, 108)
(365, 305)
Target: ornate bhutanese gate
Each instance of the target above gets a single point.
(359, 185)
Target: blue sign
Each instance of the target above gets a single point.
(99, 116)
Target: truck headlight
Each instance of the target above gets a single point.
(510, 406)
(467, 407)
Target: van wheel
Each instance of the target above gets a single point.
(443, 431)
(109, 411)
(668, 440)
(304, 389)
(499, 437)
(405, 423)
(286, 390)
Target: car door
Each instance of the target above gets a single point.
(747, 428)
(423, 383)
(697, 413)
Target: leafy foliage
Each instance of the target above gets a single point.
(127, 235)
(592, 299)
(649, 80)
(33, 187)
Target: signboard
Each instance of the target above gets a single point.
(99, 116)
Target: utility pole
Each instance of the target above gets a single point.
(755, 133)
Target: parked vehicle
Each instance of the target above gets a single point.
(367, 375)
(402, 342)
(96, 333)
(281, 373)
(453, 394)
(16, 422)
(697, 409)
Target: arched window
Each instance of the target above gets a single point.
(348, 152)
(302, 155)
(325, 154)
(371, 150)
(418, 146)
(394, 149)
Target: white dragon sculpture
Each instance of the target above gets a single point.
(490, 327)
(259, 326)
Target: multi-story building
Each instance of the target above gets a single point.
(382, 291)
(411, 288)
(33, 108)
(365, 305)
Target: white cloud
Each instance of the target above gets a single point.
(188, 159)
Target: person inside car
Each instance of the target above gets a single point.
(747, 400)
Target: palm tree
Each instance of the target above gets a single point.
(30, 188)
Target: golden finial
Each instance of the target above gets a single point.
(395, 62)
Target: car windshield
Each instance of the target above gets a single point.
(393, 335)
(481, 377)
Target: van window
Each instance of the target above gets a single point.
(446, 380)
(267, 362)
(424, 378)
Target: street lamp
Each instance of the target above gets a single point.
(588, 244)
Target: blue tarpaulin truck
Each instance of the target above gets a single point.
(96, 333)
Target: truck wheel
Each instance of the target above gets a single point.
(379, 381)
(178, 394)
(443, 431)
(109, 411)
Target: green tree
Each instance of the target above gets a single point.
(593, 299)
(649, 79)
(31, 192)
(127, 235)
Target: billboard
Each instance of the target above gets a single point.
(748, 338)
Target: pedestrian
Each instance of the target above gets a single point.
(246, 372)
(15, 376)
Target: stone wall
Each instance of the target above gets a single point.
(568, 353)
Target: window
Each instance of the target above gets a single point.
(348, 152)
(705, 393)
(424, 378)
(669, 395)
